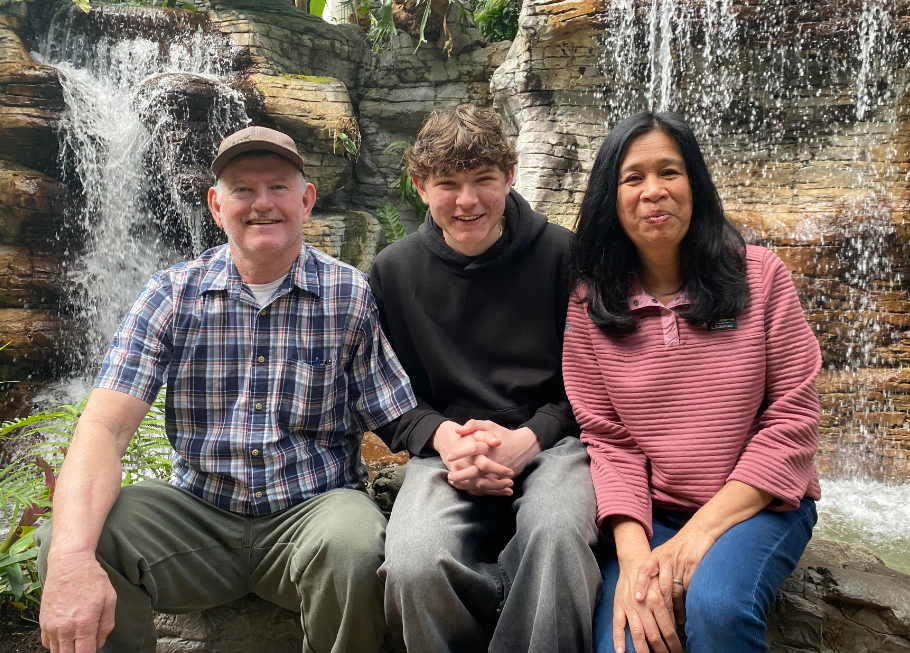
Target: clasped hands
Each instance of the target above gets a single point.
(483, 457)
(650, 594)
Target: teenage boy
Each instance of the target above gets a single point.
(489, 546)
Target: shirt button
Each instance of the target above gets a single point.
(255, 452)
(264, 311)
(261, 359)
(653, 300)
(258, 406)
(635, 303)
(259, 495)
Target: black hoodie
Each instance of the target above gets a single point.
(479, 337)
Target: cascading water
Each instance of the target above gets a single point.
(116, 149)
(801, 129)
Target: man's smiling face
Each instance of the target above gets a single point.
(467, 205)
(262, 206)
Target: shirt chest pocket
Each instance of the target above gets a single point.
(311, 398)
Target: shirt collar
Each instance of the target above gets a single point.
(639, 299)
(223, 275)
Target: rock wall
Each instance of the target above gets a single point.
(31, 208)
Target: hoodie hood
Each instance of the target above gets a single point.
(523, 226)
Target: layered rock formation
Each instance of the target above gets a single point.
(31, 207)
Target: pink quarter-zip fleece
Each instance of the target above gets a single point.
(672, 412)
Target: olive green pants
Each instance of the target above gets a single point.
(167, 550)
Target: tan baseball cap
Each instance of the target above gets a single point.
(256, 138)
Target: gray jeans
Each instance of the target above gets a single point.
(167, 550)
(468, 574)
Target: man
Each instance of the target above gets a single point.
(275, 365)
(489, 543)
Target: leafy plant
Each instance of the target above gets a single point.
(347, 143)
(381, 31)
(497, 20)
(27, 484)
(405, 185)
(389, 219)
(317, 7)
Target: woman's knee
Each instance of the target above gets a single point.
(716, 607)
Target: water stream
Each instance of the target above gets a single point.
(115, 137)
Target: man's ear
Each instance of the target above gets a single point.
(421, 188)
(510, 178)
(309, 199)
(215, 207)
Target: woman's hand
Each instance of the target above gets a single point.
(650, 617)
(679, 557)
(672, 565)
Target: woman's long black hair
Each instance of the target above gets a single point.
(712, 253)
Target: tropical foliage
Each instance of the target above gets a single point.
(497, 20)
(406, 189)
(389, 215)
(27, 484)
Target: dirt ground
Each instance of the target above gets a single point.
(18, 635)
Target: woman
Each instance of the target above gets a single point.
(691, 370)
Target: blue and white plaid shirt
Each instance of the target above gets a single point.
(266, 406)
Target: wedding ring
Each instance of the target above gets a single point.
(676, 581)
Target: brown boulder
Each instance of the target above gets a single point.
(317, 113)
(31, 100)
(35, 338)
(31, 207)
(29, 281)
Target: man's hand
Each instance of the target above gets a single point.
(477, 473)
(77, 606)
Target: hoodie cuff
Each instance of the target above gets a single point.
(420, 439)
(548, 429)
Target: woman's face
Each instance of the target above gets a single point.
(653, 197)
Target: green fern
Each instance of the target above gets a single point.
(146, 456)
(390, 220)
(407, 191)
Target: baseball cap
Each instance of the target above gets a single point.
(256, 138)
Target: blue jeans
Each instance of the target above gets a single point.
(731, 592)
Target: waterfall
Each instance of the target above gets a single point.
(116, 154)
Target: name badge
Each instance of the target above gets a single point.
(723, 325)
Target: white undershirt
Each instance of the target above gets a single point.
(263, 291)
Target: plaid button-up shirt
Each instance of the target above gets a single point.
(266, 405)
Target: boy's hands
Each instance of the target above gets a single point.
(483, 457)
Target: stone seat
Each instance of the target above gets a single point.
(840, 599)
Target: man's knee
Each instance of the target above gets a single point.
(351, 538)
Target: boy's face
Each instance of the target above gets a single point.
(467, 205)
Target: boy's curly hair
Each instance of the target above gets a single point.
(460, 138)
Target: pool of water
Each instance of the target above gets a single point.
(874, 515)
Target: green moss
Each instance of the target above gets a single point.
(310, 78)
